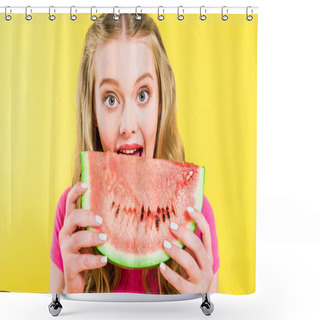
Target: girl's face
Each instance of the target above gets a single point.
(126, 96)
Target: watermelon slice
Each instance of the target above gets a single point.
(138, 198)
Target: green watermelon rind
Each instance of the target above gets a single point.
(133, 261)
(84, 178)
(128, 260)
(200, 190)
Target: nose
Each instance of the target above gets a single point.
(129, 121)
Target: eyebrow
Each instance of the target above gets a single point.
(116, 83)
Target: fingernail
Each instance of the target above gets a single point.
(102, 236)
(162, 266)
(104, 259)
(190, 210)
(84, 185)
(98, 219)
(167, 244)
(173, 226)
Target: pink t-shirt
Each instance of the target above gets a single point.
(131, 280)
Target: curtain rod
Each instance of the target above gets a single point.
(138, 9)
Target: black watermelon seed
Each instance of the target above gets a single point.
(142, 209)
(112, 204)
(173, 210)
(168, 214)
(158, 210)
(157, 222)
(148, 212)
(117, 211)
(163, 214)
(141, 216)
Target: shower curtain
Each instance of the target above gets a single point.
(174, 89)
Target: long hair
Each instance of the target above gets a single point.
(168, 141)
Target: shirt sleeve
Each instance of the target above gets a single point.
(55, 252)
(209, 216)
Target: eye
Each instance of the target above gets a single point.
(111, 101)
(143, 96)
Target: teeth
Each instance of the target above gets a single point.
(128, 151)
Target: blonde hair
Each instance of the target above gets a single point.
(168, 141)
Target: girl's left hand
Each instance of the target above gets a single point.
(199, 270)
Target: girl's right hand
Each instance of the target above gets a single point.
(76, 264)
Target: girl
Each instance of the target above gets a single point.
(126, 99)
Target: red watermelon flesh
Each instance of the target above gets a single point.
(138, 198)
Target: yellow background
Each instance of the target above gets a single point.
(215, 66)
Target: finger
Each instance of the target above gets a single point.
(82, 262)
(85, 239)
(73, 194)
(204, 228)
(81, 218)
(192, 241)
(184, 259)
(181, 284)
(184, 273)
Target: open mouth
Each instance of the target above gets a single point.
(134, 152)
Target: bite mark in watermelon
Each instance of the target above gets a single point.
(138, 198)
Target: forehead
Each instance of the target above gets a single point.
(115, 57)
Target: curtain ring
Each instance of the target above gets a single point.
(224, 16)
(115, 16)
(73, 16)
(160, 16)
(203, 16)
(249, 16)
(51, 16)
(28, 16)
(93, 17)
(138, 17)
(180, 16)
(7, 16)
